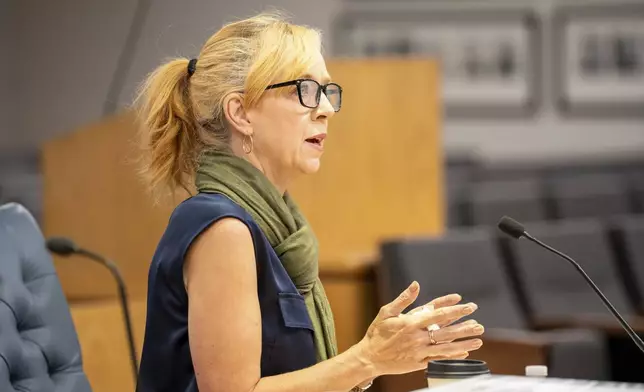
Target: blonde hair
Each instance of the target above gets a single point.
(182, 115)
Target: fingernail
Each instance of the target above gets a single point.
(413, 287)
(477, 343)
(475, 306)
(468, 309)
(470, 322)
(478, 329)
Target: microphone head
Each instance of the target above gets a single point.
(61, 246)
(511, 227)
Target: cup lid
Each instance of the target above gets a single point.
(456, 368)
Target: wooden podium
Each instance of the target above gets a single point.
(381, 176)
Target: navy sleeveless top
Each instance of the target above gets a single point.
(287, 331)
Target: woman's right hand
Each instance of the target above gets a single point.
(396, 343)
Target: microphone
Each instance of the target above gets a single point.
(516, 230)
(65, 247)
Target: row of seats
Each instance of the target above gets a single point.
(516, 283)
(570, 196)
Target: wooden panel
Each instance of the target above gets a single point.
(103, 340)
(351, 290)
(381, 172)
(93, 195)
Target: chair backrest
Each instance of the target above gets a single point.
(463, 261)
(589, 196)
(553, 287)
(636, 188)
(455, 206)
(509, 171)
(520, 199)
(630, 236)
(38, 342)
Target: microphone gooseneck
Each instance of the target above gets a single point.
(64, 247)
(516, 230)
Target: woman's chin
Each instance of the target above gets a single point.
(310, 166)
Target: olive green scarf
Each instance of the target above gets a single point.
(285, 228)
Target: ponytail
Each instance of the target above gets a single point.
(169, 130)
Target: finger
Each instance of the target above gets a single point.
(440, 302)
(447, 300)
(444, 316)
(459, 331)
(405, 299)
(440, 357)
(450, 322)
(454, 348)
(460, 356)
(425, 308)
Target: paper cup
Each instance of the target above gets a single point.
(446, 371)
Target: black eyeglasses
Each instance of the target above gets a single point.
(310, 91)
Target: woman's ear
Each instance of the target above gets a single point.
(236, 114)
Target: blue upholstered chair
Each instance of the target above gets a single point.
(39, 349)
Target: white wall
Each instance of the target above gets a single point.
(71, 49)
(549, 135)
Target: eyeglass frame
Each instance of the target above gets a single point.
(321, 89)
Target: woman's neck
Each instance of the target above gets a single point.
(280, 182)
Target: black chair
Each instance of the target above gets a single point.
(38, 343)
(466, 261)
(628, 240)
(521, 199)
(636, 190)
(552, 287)
(456, 213)
(588, 195)
(460, 172)
(510, 171)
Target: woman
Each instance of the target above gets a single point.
(234, 298)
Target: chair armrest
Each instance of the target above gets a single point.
(509, 351)
(568, 353)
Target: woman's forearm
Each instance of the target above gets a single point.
(338, 374)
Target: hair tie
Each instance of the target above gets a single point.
(192, 66)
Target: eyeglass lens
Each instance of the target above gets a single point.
(309, 91)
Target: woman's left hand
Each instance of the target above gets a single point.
(446, 332)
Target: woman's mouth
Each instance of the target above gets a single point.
(316, 141)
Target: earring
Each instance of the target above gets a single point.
(247, 146)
